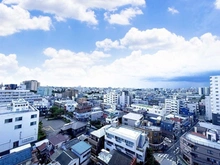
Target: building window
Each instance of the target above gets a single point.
(8, 120)
(33, 116)
(18, 126)
(33, 123)
(18, 118)
(209, 152)
(125, 119)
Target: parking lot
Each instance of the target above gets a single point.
(51, 127)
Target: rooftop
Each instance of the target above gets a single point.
(125, 131)
(81, 147)
(133, 116)
(202, 141)
(100, 132)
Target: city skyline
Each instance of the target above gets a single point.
(140, 44)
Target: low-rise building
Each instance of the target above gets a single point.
(201, 145)
(132, 119)
(131, 141)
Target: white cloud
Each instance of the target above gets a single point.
(217, 4)
(74, 9)
(149, 39)
(67, 68)
(172, 10)
(124, 17)
(108, 44)
(15, 19)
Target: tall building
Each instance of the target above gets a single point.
(19, 125)
(124, 99)
(31, 84)
(172, 106)
(208, 110)
(204, 91)
(111, 98)
(45, 91)
(215, 99)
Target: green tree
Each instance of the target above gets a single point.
(149, 158)
(56, 112)
(41, 133)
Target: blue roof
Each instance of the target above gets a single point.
(81, 147)
(16, 157)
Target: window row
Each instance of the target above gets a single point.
(10, 120)
(20, 125)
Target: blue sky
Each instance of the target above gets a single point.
(126, 43)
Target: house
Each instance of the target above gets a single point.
(83, 151)
(74, 128)
(132, 119)
(58, 140)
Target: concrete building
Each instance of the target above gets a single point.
(111, 98)
(201, 146)
(215, 99)
(172, 106)
(6, 96)
(131, 141)
(157, 110)
(204, 91)
(208, 110)
(45, 91)
(132, 119)
(31, 84)
(124, 99)
(19, 125)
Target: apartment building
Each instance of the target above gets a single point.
(215, 99)
(201, 146)
(132, 119)
(124, 99)
(172, 106)
(18, 126)
(6, 96)
(111, 98)
(131, 141)
(45, 91)
(208, 110)
(156, 110)
(31, 84)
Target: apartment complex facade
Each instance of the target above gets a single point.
(31, 84)
(18, 126)
(215, 99)
(6, 96)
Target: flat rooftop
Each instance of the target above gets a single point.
(202, 141)
(125, 131)
(133, 116)
(7, 110)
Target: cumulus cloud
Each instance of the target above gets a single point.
(217, 4)
(77, 9)
(172, 10)
(108, 44)
(183, 57)
(124, 17)
(149, 39)
(15, 19)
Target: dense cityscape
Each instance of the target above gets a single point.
(107, 126)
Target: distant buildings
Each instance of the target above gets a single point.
(215, 99)
(6, 96)
(172, 106)
(31, 84)
(19, 125)
(45, 91)
(202, 145)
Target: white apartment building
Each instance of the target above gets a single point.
(132, 119)
(208, 110)
(192, 107)
(111, 98)
(215, 99)
(124, 99)
(157, 110)
(6, 96)
(131, 141)
(18, 125)
(172, 106)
